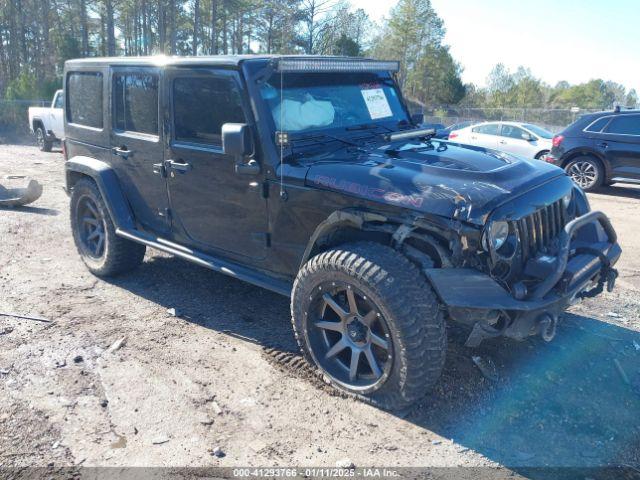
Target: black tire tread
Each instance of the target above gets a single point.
(415, 309)
(48, 145)
(121, 255)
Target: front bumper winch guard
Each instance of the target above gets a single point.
(581, 269)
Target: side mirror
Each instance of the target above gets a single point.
(236, 141)
(417, 118)
(528, 137)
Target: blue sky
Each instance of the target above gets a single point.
(558, 40)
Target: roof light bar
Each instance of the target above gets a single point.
(335, 65)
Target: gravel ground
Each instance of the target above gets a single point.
(225, 372)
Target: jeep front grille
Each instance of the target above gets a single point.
(538, 230)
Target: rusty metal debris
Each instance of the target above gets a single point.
(21, 195)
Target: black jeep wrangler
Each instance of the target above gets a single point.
(309, 177)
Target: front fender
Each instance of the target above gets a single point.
(107, 181)
(338, 219)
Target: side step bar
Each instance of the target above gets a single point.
(214, 263)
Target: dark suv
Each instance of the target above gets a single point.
(307, 176)
(600, 149)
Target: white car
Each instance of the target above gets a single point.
(46, 123)
(524, 139)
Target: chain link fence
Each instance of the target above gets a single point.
(552, 119)
(14, 118)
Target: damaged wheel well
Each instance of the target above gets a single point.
(426, 249)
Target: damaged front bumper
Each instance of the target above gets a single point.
(582, 267)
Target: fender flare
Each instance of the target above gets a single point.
(338, 219)
(107, 181)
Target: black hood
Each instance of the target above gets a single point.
(441, 178)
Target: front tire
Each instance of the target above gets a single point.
(367, 318)
(41, 139)
(586, 172)
(103, 252)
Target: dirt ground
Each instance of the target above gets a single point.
(225, 372)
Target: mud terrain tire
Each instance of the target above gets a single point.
(90, 222)
(404, 302)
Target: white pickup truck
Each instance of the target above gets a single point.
(46, 123)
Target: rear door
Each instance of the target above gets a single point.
(136, 143)
(213, 208)
(620, 142)
(511, 140)
(485, 135)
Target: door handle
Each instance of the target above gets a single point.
(121, 151)
(250, 168)
(502, 142)
(178, 165)
(603, 144)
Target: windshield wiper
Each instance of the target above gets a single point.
(326, 135)
(368, 126)
(427, 133)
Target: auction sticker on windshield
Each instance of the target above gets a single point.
(377, 103)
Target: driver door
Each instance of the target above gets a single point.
(213, 208)
(56, 121)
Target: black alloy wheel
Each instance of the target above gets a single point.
(348, 336)
(91, 227)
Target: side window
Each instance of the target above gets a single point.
(489, 129)
(598, 125)
(135, 103)
(201, 105)
(625, 125)
(511, 131)
(59, 103)
(84, 92)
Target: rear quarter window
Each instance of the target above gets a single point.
(491, 129)
(598, 125)
(84, 99)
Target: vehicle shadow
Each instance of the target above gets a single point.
(574, 402)
(620, 191)
(29, 209)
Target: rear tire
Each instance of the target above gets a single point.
(586, 172)
(541, 154)
(41, 139)
(103, 252)
(389, 316)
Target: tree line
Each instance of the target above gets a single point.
(37, 36)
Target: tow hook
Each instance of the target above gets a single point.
(548, 325)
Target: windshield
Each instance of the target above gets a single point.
(541, 132)
(305, 102)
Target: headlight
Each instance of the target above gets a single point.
(496, 235)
